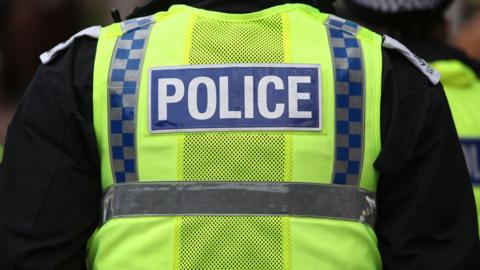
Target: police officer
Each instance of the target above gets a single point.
(276, 138)
(425, 32)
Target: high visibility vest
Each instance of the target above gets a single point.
(237, 141)
(462, 88)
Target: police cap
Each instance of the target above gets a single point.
(398, 12)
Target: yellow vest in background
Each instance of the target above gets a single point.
(266, 115)
(462, 88)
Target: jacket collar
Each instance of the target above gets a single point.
(230, 6)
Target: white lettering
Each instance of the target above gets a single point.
(248, 85)
(263, 100)
(225, 112)
(207, 97)
(193, 98)
(164, 99)
(294, 96)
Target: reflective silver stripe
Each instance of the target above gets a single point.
(239, 198)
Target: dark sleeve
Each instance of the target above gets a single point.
(426, 210)
(49, 179)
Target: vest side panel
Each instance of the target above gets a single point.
(167, 46)
(332, 245)
(322, 243)
(136, 234)
(144, 243)
(103, 58)
(313, 152)
(372, 52)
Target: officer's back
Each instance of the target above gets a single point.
(247, 141)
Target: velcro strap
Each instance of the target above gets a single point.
(239, 199)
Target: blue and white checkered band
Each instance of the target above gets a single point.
(343, 25)
(349, 98)
(471, 150)
(125, 73)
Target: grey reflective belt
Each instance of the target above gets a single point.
(239, 199)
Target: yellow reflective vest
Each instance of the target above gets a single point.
(462, 87)
(237, 141)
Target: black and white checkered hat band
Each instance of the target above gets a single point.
(395, 6)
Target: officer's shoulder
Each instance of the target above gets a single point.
(388, 43)
(50, 55)
(94, 32)
(392, 44)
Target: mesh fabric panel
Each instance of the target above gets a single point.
(220, 42)
(218, 243)
(234, 157)
(238, 243)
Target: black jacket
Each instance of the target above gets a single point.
(435, 50)
(50, 178)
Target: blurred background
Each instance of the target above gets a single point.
(30, 27)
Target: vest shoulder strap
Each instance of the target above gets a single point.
(137, 23)
(422, 65)
(343, 25)
(47, 57)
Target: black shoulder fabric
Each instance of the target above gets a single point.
(426, 210)
(50, 178)
(432, 50)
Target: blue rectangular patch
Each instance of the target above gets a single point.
(471, 150)
(235, 97)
